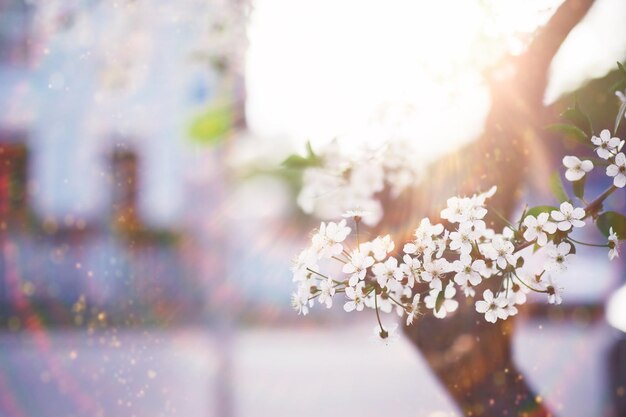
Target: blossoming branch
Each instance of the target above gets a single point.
(445, 260)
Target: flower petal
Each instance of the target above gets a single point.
(549, 227)
(564, 226)
(586, 165)
(574, 175)
(530, 235)
(571, 161)
(578, 213)
(566, 208)
(542, 239)
(596, 140)
(613, 143)
(530, 221)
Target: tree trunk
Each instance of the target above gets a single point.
(471, 357)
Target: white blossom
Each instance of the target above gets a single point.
(385, 271)
(411, 268)
(492, 307)
(400, 292)
(356, 297)
(388, 336)
(557, 256)
(367, 178)
(613, 245)
(551, 287)
(345, 180)
(420, 246)
(568, 216)
(463, 239)
(384, 302)
(576, 169)
(457, 210)
(357, 267)
(327, 241)
(327, 291)
(621, 96)
(435, 269)
(317, 184)
(301, 299)
(606, 146)
(303, 264)
(448, 305)
(482, 197)
(413, 310)
(467, 210)
(500, 251)
(356, 214)
(299, 304)
(379, 248)
(468, 271)
(515, 292)
(468, 290)
(537, 227)
(509, 309)
(441, 244)
(476, 215)
(617, 170)
(508, 233)
(427, 231)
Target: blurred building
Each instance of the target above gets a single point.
(104, 111)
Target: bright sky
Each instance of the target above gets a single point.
(317, 69)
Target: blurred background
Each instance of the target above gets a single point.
(147, 226)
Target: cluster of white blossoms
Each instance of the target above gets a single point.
(341, 182)
(453, 258)
(440, 264)
(608, 148)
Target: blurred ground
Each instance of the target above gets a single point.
(272, 372)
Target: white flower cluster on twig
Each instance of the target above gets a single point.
(440, 261)
(453, 257)
(342, 182)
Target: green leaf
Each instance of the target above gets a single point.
(535, 211)
(300, 162)
(579, 118)
(556, 185)
(570, 132)
(612, 219)
(440, 299)
(309, 150)
(621, 67)
(212, 126)
(620, 116)
(579, 187)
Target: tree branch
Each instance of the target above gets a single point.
(466, 353)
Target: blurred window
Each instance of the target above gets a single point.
(13, 159)
(15, 19)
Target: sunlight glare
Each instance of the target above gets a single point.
(318, 70)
